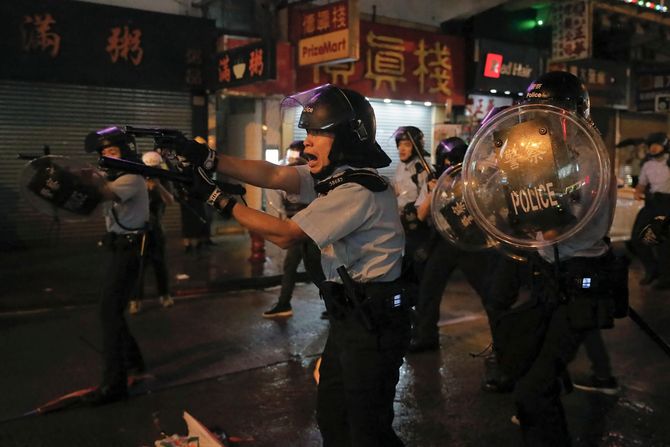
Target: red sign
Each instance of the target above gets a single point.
(325, 19)
(492, 66)
(398, 63)
(284, 83)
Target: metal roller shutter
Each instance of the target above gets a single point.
(389, 117)
(36, 114)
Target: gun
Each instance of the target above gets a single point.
(149, 171)
(357, 299)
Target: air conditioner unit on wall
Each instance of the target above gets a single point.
(662, 103)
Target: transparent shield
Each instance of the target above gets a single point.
(451, 216)
(536, 175)
(61, 187)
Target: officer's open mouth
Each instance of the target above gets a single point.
(309, 157)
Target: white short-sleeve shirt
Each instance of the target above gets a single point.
(132, 209)
(656, 174)
(406, 190)
(354, 227)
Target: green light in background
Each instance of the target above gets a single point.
(525, 25)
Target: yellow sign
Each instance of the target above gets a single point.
(324, 48)
(329, 34)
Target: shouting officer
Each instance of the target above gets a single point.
(126, 216)
(352, 216)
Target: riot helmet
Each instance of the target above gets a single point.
(450, 149)
(99, 140)
(560, 89)
(657, 139)
(414, 135)
(349, 116)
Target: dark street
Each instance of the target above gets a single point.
(214, 356)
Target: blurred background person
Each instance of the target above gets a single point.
(160, 196)
(654, 188)
(410, 177)
(287, 206)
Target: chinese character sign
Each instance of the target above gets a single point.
(398, 63)
(325, 19)
(246, 64)
(328, 33)
(93, 44)
(37, 34)
(125, 44)
(571, 30)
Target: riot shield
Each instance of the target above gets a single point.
(451, 216)
(61, 187)
(536, 175)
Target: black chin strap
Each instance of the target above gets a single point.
(368, 179)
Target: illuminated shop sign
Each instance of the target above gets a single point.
(505, 67)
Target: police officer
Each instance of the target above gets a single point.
(126, 214)
(307, 251)
(444, 258)
(352, 216)
(654, 188)
(410, 177)
(559, 312)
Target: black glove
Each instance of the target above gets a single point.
(204, 188)
(655, 232)
(192, 155)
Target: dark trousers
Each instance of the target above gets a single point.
(442, 261)
(154, 255)
(358, 376)
(310, 253)
(596, 351)
(537, 393)
(120, 350)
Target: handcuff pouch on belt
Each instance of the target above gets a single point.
(373, 303)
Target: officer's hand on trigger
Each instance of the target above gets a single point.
(204, 188)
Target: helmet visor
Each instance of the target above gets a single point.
(323, 107)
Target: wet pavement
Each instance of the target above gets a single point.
(214, 356)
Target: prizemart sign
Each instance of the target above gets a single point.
(329, 33)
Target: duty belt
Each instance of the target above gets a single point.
(117, 241)
(375, 302)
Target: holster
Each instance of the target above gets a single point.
(115, 241)
(374, 305)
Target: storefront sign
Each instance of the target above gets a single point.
(246, 65)
(398, 63)
(479, 106)
(329, 33)
(606, 81)
(571, 30)
(505, 67)
(84, 43)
